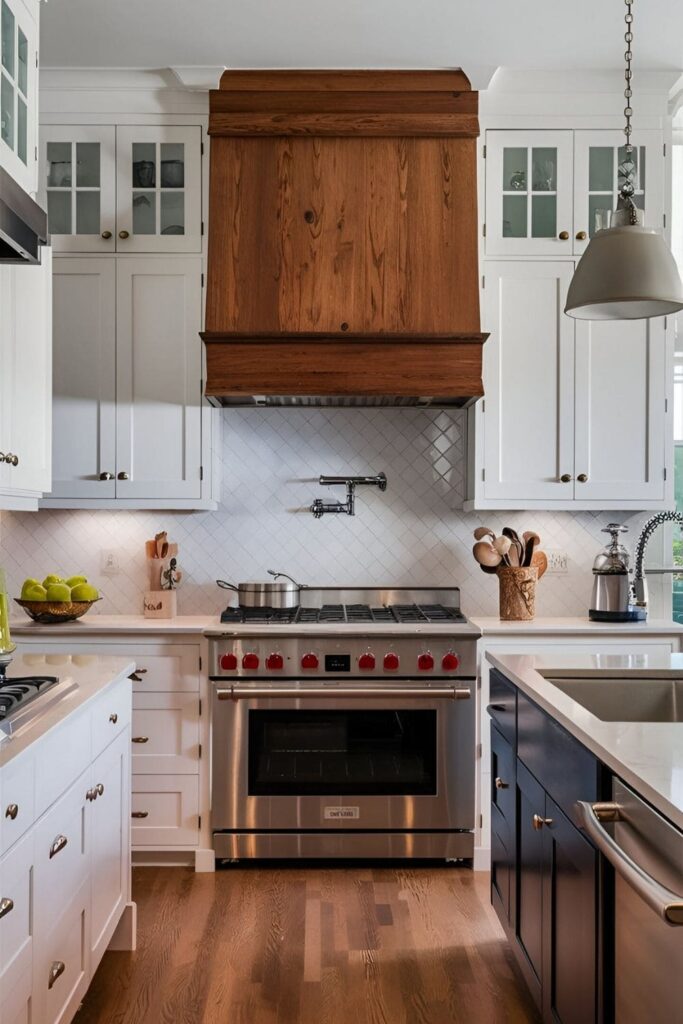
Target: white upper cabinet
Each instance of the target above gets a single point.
(122, 189)
(548, 192)
(18, 90)
(529, 180)
(575, 412)
(78, 186)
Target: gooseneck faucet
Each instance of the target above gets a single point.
(320, 508)
(639, 586)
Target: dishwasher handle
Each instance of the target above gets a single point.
(668, 905)
(365, 693)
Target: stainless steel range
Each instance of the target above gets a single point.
(345, 727)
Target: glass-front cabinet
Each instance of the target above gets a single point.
(18, 92)
(548, 192)
(122, 189)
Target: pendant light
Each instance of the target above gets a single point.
(627, 271)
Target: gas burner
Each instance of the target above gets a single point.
(260, 616)
(16, 692)
(353, 614)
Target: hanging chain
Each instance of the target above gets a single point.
(628, 188)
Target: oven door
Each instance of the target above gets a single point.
(343, 757)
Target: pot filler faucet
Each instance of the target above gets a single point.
(320, 508)
(639, 586)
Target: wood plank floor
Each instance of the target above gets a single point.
(311, 945)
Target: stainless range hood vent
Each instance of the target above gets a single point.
(23, 224)
(339, 401)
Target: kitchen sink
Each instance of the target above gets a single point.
(626, 700)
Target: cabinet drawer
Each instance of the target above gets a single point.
(60, 976)
(61, 866)
(17, 803)
(502, 776)
(16, 926)
(110, 715)
(503, 705)
(60, 758)
(165, 734)
(165, 810)
(16, 1001)
(569, 772)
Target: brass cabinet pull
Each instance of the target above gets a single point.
(106, 476)
(565, 478)
(12, 811)
(124, 234)
(59, 844)
(581, 236)
(91, 795)
(139, 814)
(500, 784)
(9, 458)
(140, 739)
(563, 236)
(57, 969)
(6, 904)
(122, 475)
(582, 478)
(538, 822)
(99, 789)
(113, 718)
(106, 234)
(135, 676)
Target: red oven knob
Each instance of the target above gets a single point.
(310, 660)
(450, 661)
(366, 661)
(390, 662)
(228, 662)
(274, 661)
(250, 660)
(425, 662)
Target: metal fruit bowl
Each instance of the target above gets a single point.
(50, 613)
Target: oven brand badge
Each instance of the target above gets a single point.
(337, 813)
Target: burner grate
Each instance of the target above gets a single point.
(354, 614)
(18, 691)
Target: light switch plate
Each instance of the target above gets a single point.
(109, 562)
(558, 563)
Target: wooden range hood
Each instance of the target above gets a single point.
(343, 239)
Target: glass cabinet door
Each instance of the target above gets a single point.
(77, 171)
(158, 189)
(528, 193)
(17, 92)
(602, 167)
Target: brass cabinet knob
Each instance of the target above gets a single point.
(122, 475)
(10, 459)
(113, 718)
(106, 234)
(106, 476)
(57, 969)
(581, 236)
(90, 795)
(12, 811)
(124, 234)
(565, 478)
(563, 236)
(6, 904)
(500, 784)
(139, 814)
(538, 822)
(582, 478)
(99, 789)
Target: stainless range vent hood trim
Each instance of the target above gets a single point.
(23, 223)
(339, 401)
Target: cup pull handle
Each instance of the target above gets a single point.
(140, 739)
(12, 811)
(6, 904)
(59, 844)
(57, 969)
(139, 814)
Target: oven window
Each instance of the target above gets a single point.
(359, 753)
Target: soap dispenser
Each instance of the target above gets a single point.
(611, 599)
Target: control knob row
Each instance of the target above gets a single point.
(366, 661)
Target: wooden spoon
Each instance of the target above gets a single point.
(484, 531)
(514, 555)
(531, 539)
(486, 554)
(502, 545)
(539, 560)
(491, 569)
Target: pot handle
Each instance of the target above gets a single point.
(227, 586)
(276, 575)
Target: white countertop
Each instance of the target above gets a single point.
(646, 755)
(95, 625)
(92, 674)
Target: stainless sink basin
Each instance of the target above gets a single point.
(626, 700)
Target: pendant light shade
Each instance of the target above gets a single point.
(626, 273)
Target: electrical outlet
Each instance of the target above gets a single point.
(558, 563)
(109, 562)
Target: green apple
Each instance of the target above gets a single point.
(34, 593)
(28, 585)
(73, 581)
(49, 580)
(84, 592)
(58, 592)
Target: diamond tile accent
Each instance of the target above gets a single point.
(413, 533)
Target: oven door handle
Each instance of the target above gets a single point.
(366, 692)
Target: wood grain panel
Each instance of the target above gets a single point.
(454, 79)
(284, 101)
(312, 945)
(359, 124)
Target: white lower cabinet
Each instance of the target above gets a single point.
(62, 965)
(165, 734)
(16, 923)
(165, 810)
(576, 414)
(109, 841)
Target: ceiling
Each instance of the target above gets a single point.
(536, 34)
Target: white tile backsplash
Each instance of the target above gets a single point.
(413, 533)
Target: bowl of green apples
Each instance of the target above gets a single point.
(57, 600)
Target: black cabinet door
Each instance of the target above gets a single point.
(530, 854)
(570, 925)
(502, 826)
